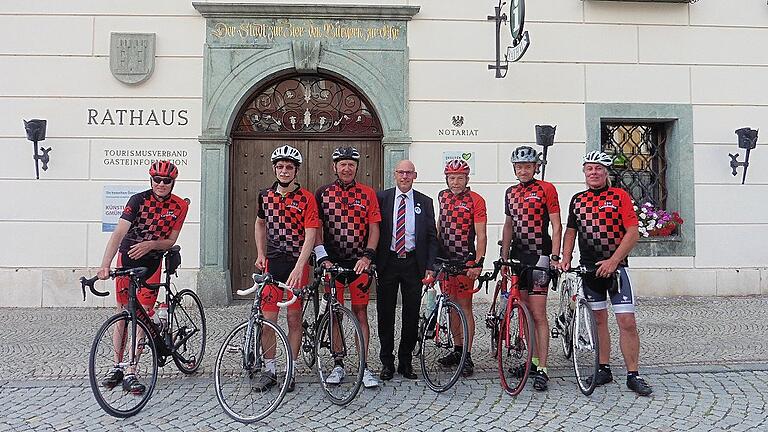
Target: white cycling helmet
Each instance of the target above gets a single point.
(598, 157)
(524, 154)
(288, 153)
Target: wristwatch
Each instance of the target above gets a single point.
(554, 257)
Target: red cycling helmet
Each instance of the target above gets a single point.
(163, 169)
(456, 166)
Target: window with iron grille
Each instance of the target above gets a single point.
(640, 163)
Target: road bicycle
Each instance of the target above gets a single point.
(511, 325)
(332, 337)
(254, 365)
(576, 328)
(441, 324)
(130, 342)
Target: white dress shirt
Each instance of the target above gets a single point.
(410, 221)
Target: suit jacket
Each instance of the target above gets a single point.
(426, 230)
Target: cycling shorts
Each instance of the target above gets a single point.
(280, 269)
(359, 288)
(144, 295)
(525, 279)
(458, 286)
(597, 290)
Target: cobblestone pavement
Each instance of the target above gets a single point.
(707, 359)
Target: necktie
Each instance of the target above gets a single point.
(400, 228)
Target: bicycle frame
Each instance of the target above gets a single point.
(445, 269)
(328, 276)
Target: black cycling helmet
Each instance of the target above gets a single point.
(346, 153)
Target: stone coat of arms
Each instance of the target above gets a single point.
(132, 56)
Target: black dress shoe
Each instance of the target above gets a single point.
(387, 372)
(406, 370)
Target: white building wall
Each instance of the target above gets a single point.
(55, 61)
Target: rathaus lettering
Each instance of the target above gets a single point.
(138, 117)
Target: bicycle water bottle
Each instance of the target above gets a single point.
(430, 301)
(503, 299)
(162, 315)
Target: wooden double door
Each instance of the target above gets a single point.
(251, 171)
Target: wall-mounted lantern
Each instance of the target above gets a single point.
(545, 137)
(747, 141)
(36, 132)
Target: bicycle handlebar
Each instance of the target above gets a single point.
(452, 268)
(259, 280)
(337, 270)
(135, 272)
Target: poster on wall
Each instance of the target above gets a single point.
(115, 198)
(469, 157)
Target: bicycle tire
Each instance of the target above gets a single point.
(352, 348)
(114, 400)
(440, 345)
(187, 316)
(515, 351)
(309, 316)
(586, 348)
(238, 362)
(564, 309)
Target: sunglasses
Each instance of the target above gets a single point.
(163, 180)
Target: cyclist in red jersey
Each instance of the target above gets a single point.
(531, 206)
(149, 225)
(350, 217)
(461, 223)
(604, 220)
(286, 225)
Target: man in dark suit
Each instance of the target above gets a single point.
(406, 253)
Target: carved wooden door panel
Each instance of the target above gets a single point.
(313, 114)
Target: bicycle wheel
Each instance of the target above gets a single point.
(586, 349)
(110, 350)
(240, 366)
(565, 314)
(440, 366)
(515, 349)
(309, 329)
(340, 355)
(188, 331)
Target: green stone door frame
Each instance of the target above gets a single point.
(247, 45)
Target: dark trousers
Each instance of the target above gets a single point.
(403, 273)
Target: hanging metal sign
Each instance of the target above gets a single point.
(520, 38)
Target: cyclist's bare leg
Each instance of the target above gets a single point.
(119, 336)
(361, 312)
(466, 306)
(603, 335)
(629, 339)
(458, 337)
(538, 307)
(294, 331)
(525, 299)
(268, 335)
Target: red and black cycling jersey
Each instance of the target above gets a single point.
(530, 204)
(346, 211)
(287, 217)
(152, 218)
(456, 227)
(601, 218)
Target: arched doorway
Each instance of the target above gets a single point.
(314, 113)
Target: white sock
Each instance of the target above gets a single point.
(270, 365)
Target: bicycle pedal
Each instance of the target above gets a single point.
(554, 333)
